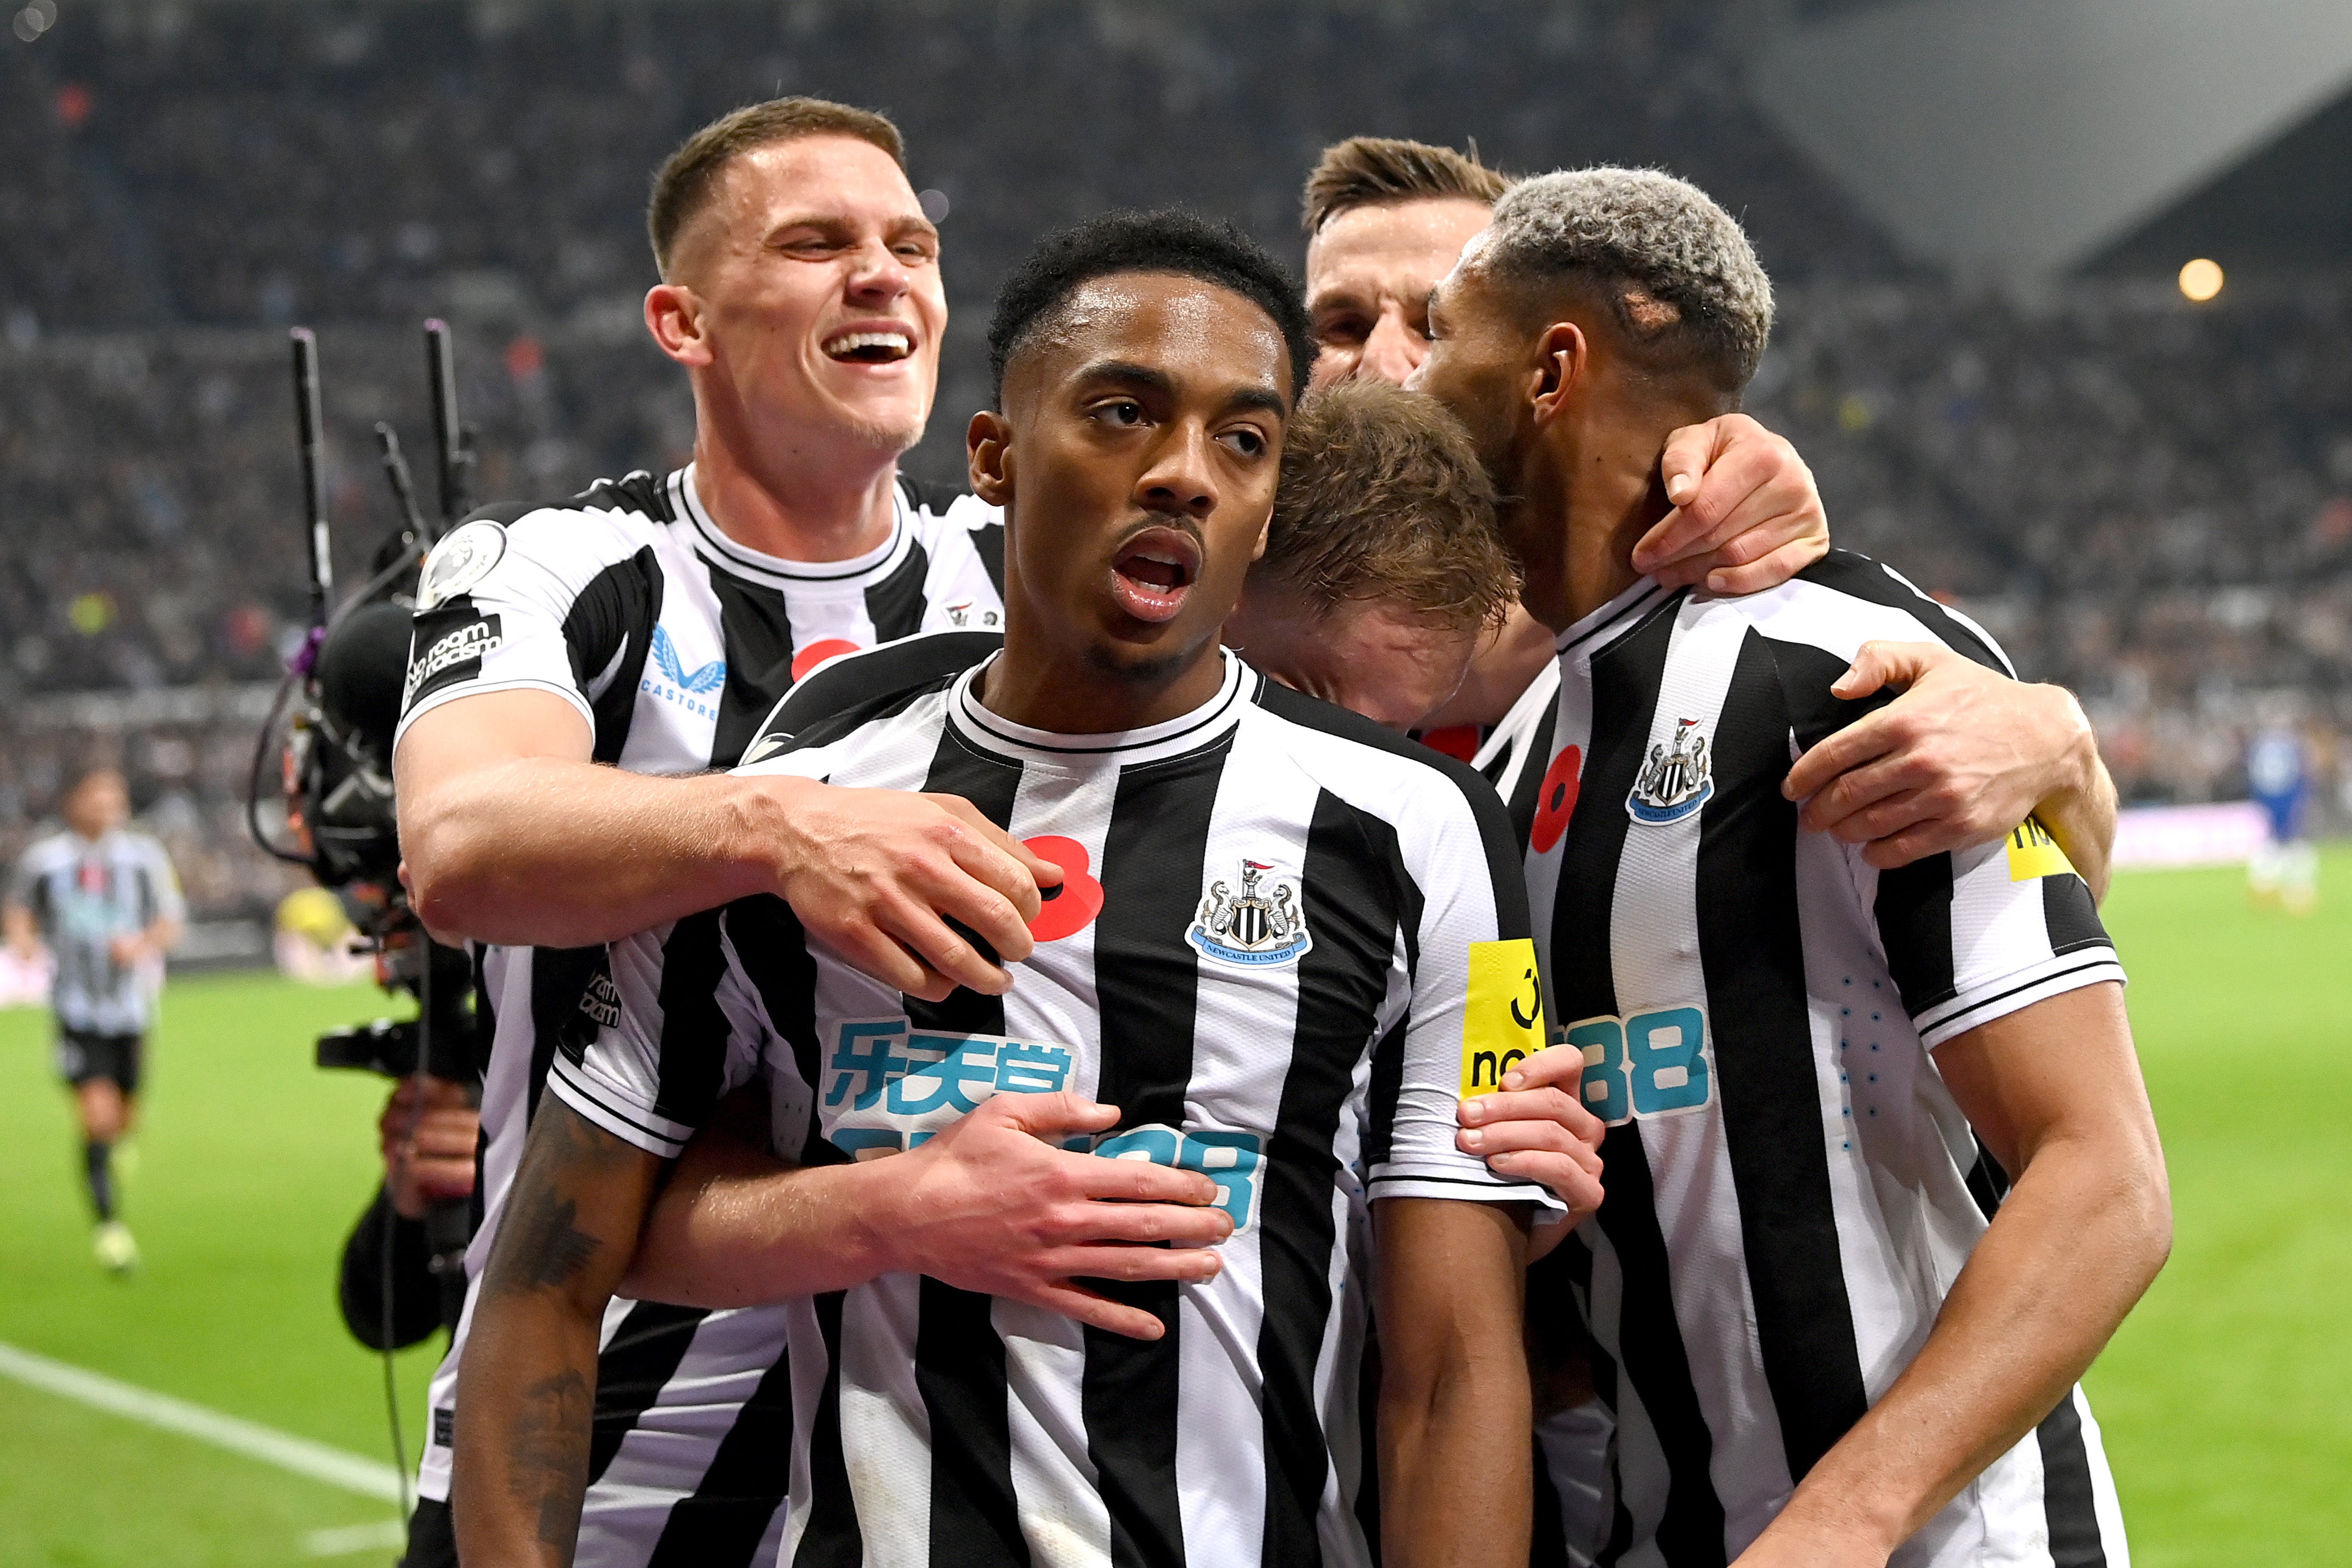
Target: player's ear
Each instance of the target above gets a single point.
(988, 448)
(1563, 359)
(674, 316)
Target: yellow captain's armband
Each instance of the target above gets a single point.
(2033, 853)
(1502, 1023)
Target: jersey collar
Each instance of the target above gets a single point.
(1604, 624)
(860, 571)
(1001, 737)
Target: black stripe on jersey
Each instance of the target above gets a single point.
(1386, 1087)
(988, 544)
(1625, 680)
(1354, 901)
(1860, 577)
(2070, 914)
(607, 632)
(1988, 1183)
(1147, 980)
(1751, 949)
(832, 1537)
(757, 631)
(958, 1358)
(1504, 854)
(930, 495)
(772, 948)
(2068, 1503)
(896, 604)
(722, 1523)
(635, 1366)
(1913, 907)
(1650, 1339)
(1525, 794)
(694, 1031)
(857, 688)
(559, 977)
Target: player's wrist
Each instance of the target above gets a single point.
(770, 838)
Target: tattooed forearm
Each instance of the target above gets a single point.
(547, 1447)
(549, 1248)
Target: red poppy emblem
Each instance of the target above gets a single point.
(1072, 907)
(1556, 801)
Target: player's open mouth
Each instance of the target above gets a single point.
(1153, 571)
(870, 347)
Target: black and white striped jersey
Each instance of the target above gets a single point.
(1788, 1179)
(1522, 739)
(674, 642)
(1285, 940)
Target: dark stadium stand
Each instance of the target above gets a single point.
(2150, 502)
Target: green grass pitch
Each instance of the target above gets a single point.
(2227, 1399)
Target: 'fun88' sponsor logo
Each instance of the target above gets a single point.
(890, 1087)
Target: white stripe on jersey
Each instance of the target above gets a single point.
(576, 588)
(1790, 1205)
(1179, 1040)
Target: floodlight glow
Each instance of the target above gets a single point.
(2201, 279)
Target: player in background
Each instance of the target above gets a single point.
(1271, 944)
(1835, 1340)
(1961, 757)
(2286, 865)
(106, 902)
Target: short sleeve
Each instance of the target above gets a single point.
(509, 607)
(167, 901)
(666, 1027)
(1475, 1001)
(1975, 935)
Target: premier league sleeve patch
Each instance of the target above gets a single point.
(1251, 922)
(460, 561)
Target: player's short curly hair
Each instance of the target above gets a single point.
(1677, 269)
(686, 177)
(1170, 240)
(1383, 500)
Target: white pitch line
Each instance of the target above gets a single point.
(369, 1478)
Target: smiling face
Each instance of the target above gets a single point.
(807, 290)
(1135, 455)
(1369, 272)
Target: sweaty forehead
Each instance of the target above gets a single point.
(1189, 329)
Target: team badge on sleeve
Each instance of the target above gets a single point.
(1257, 928)
(1677, 780)
(1502, 1018)
(460, 561)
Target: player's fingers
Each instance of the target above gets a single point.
(1560, 1174)
(874, 952)
(1045, 1115)
(1890, 815)
(1546, 1106)
(995, 856)
(1689, 452)
(1864, 740)
(1144, 1182)
(1936, 836)
(1768, 572)
(1557, 1067)
(1094, 1311)
(950, 891)
(1179, 1223)
(1129, 1265)
(1546, 1136)
(942, 949)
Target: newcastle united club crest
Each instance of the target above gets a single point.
(1676, 781)
(1256, 928)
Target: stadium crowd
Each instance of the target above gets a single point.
(2149, 501)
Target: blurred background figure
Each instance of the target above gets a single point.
(106, 904)
(2285, 869)
(313, 941)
